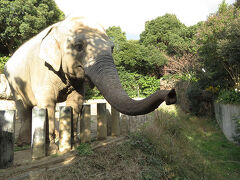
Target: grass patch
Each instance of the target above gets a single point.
(174, 146)
(21, 148)
(191, 147)
(84, 149)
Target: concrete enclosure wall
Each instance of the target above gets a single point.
(227, 116)
(116, 123)
(127, 123)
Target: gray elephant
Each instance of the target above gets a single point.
(53, 67)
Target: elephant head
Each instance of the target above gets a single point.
(80, 48)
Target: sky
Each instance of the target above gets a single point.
(131, 15)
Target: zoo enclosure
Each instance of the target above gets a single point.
(98, 121)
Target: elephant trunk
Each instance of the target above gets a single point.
(105, 77)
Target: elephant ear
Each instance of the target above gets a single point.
(50, 49)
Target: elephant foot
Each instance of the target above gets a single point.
(52, 148)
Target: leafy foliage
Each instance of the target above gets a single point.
(167, 34)
(3, 60)
(237, 4)
(116, 36)
(135, 57)
(138, 58)
(229, 97)
(22, 19)
(218, 40)
(137, 84)
(84, 149)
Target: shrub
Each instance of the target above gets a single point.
(229, 97)
(201, 101)
(3, 61)
(218, 40)
(84, 149)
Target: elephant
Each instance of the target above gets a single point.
(55, 65)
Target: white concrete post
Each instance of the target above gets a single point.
(109, 119)
(65, 129)
(38, 142)
(124, 123)
(85, 127)
(7, 121)
(93, 121)
(115, 122)
(102, 121)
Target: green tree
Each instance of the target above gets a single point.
(167, 34)
(218, 40)
(22, 19)
(135, 57)
(237, 4)
(117, 36)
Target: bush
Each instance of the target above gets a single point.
(229, 97)
(3, 61)
(92, 93)
(84, 149)
(201, 101)
(218, 40)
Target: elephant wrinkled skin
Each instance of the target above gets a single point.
(53, 67)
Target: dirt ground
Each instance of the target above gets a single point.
(109, 160)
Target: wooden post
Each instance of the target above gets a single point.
(38, 143)
(102, 121)
(85, 127)
(65, 129)
(115, 122)
(7, 121)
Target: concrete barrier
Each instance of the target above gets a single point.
(7, 121)
(65, 129)
(38, 142)
(115, 122)
(98, 120)
(85, 124)
(101, 121)
(227, 116)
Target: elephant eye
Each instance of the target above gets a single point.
(79, 46)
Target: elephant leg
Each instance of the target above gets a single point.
(75, 100)
(25, 117)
